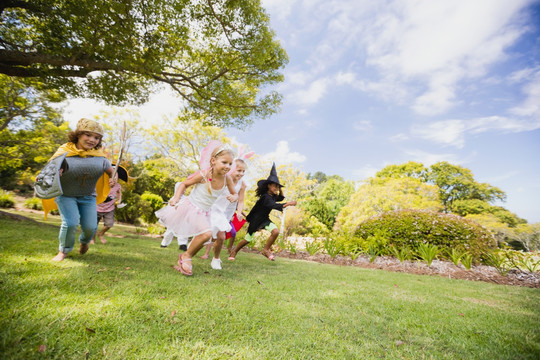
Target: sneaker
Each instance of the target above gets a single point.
(216, 264)
(163, 246)
(182, 247)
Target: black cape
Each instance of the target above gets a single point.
(258, 217)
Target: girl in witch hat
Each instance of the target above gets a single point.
(269, 193)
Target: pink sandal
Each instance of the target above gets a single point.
(180, 267)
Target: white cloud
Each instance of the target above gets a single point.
(428, 46)
(453, 132)
(441, 43)
(348, 78)
(365, 172)
(316, 90)
(162, 104)
(450, 132)
(399, 137)
(283, 154)
(362, 125)
(279, 8)
(531, 104)
(429, 159)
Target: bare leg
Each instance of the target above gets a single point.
(184, 261)
(238, 247)
(207, 251)
(219, 244)
(267, 250)
(271, 239)
(101, 233)
(231, 243)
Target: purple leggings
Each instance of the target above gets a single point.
(233, 231)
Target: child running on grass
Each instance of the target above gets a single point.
(269, 193)
(223, 211)
(190, 216)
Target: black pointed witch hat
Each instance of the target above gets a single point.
(272, 178)
(122, 173)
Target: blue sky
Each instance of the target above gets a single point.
(372, 83)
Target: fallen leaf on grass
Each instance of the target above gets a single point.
(173, 313)
(460, 314)
(260, 282)
(42, 348)
(91, 330)
(396, 285)
(128, 268)
(399, 343)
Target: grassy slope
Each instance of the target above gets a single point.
(123, 300)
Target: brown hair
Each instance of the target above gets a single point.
(73, 137)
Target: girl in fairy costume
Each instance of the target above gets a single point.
(189, 216)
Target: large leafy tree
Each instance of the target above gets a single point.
(177, 144)
(378, 196)
(30, 129)
(410, 169)
(328, 199)
(457, 183)
(217, 55)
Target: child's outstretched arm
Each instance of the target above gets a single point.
(233, 196)
(193, 179)
(290, 203)
(240, 206)
(119, 195)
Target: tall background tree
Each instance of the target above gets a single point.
(216, 54)
(31, 128)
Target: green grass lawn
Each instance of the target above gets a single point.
(123, 300)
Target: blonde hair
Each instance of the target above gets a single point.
(218, 152)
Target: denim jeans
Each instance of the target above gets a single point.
(75, 210)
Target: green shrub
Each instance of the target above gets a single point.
(332, 247)
(312, 247)
(352, 249)
(428, 252)
(455, 255)
(401, 254)
(291, 246)
(498, 260)
(529, 263)
(6, 199)
(155, 229)
(150, 203)
(411, 228)
(467, 260)
(131, 212)
(33, 203)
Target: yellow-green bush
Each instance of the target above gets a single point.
(33, 203)
(6, 199)
(411, 228)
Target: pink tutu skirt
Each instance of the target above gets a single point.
(185, 219)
